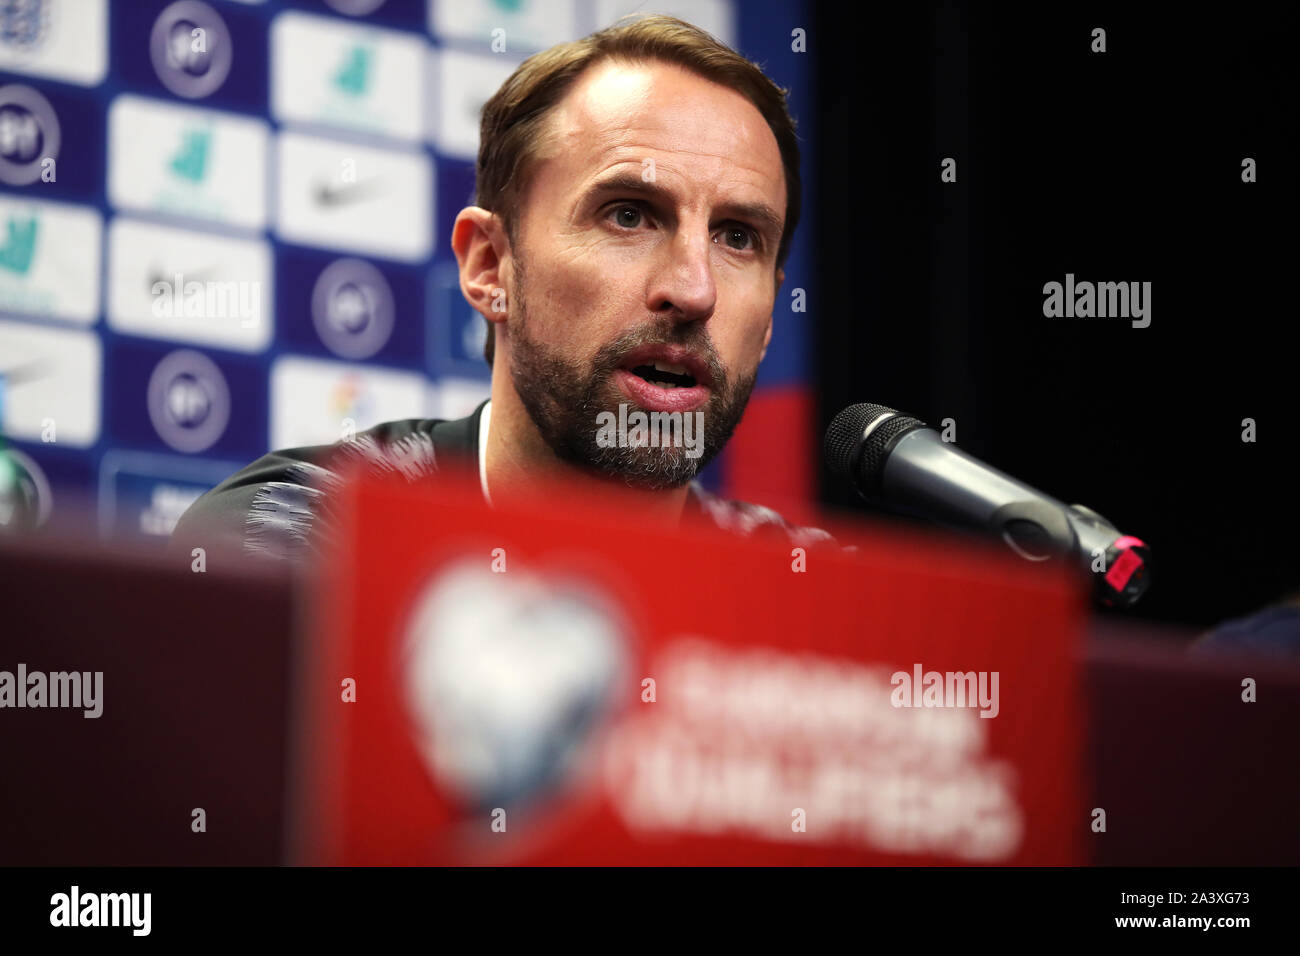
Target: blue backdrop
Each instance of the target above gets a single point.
(225, 230)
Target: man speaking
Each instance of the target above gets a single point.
(637, 191)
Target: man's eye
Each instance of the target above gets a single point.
(629, 217)
(740, 238)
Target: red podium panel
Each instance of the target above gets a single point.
(554, 682)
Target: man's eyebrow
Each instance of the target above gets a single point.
(626, 182)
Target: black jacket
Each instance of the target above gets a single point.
(281, 506)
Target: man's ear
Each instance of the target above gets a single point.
(478, 238)
(767, 338)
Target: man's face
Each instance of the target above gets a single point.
(647, 237)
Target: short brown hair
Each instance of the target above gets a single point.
(512, 123)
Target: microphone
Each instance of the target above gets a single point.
(894, 458)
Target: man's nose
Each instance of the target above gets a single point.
(683, 284)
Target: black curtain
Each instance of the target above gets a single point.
(1122, 166)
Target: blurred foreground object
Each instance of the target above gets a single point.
(477, 691)
(553, 681)
(20, 498)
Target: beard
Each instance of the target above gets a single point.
(565, 399)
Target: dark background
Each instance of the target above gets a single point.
(1116, 166)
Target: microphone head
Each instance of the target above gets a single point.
(858, 461)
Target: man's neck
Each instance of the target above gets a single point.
(518, 457)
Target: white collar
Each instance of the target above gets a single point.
(484, 419)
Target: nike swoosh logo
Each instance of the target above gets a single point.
(341, 194)
(157, 275)
(26, 373)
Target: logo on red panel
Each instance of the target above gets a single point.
(507, 677)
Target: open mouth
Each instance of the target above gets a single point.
(664, 374)
(665, 378)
